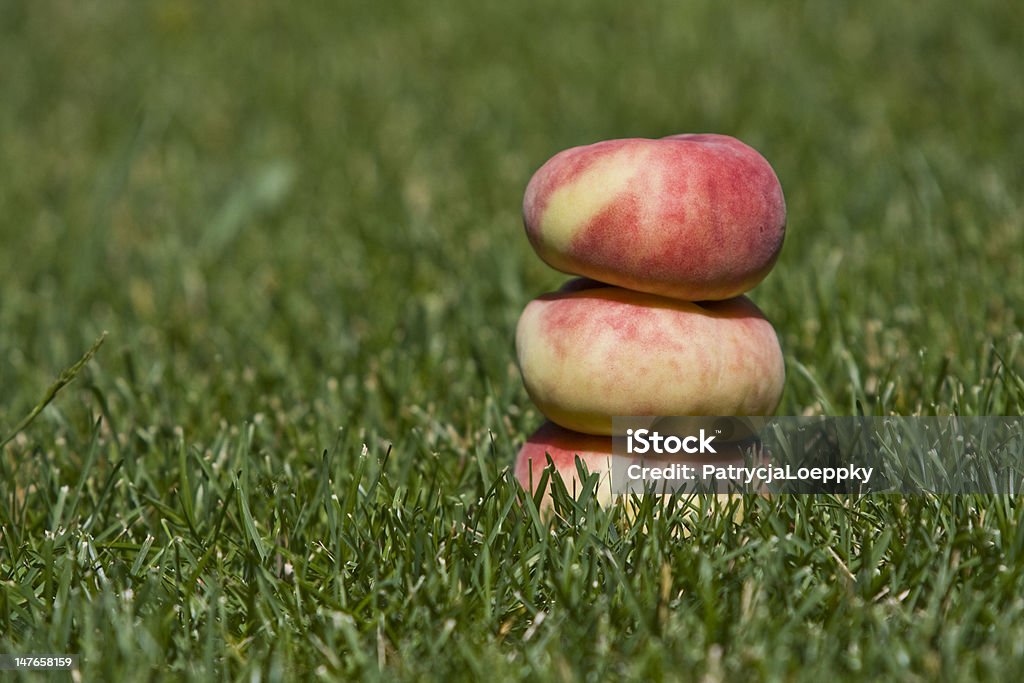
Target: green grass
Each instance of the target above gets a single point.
(299, 226)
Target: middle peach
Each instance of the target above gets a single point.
(592, 354)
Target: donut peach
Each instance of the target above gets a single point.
(597, 456)
(591, 354)
(693, 217)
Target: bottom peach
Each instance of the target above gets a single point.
(597, 455)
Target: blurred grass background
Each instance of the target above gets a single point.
(300, 225)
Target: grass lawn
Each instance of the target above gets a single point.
(299, 225)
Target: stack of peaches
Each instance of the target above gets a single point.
(667, 235)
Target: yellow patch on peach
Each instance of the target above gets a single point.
(571, 206)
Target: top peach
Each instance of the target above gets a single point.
(693, 217)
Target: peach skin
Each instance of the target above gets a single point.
(564, 447)
(591, 354)
(693, 217)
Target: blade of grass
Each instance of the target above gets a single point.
(65, 378)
